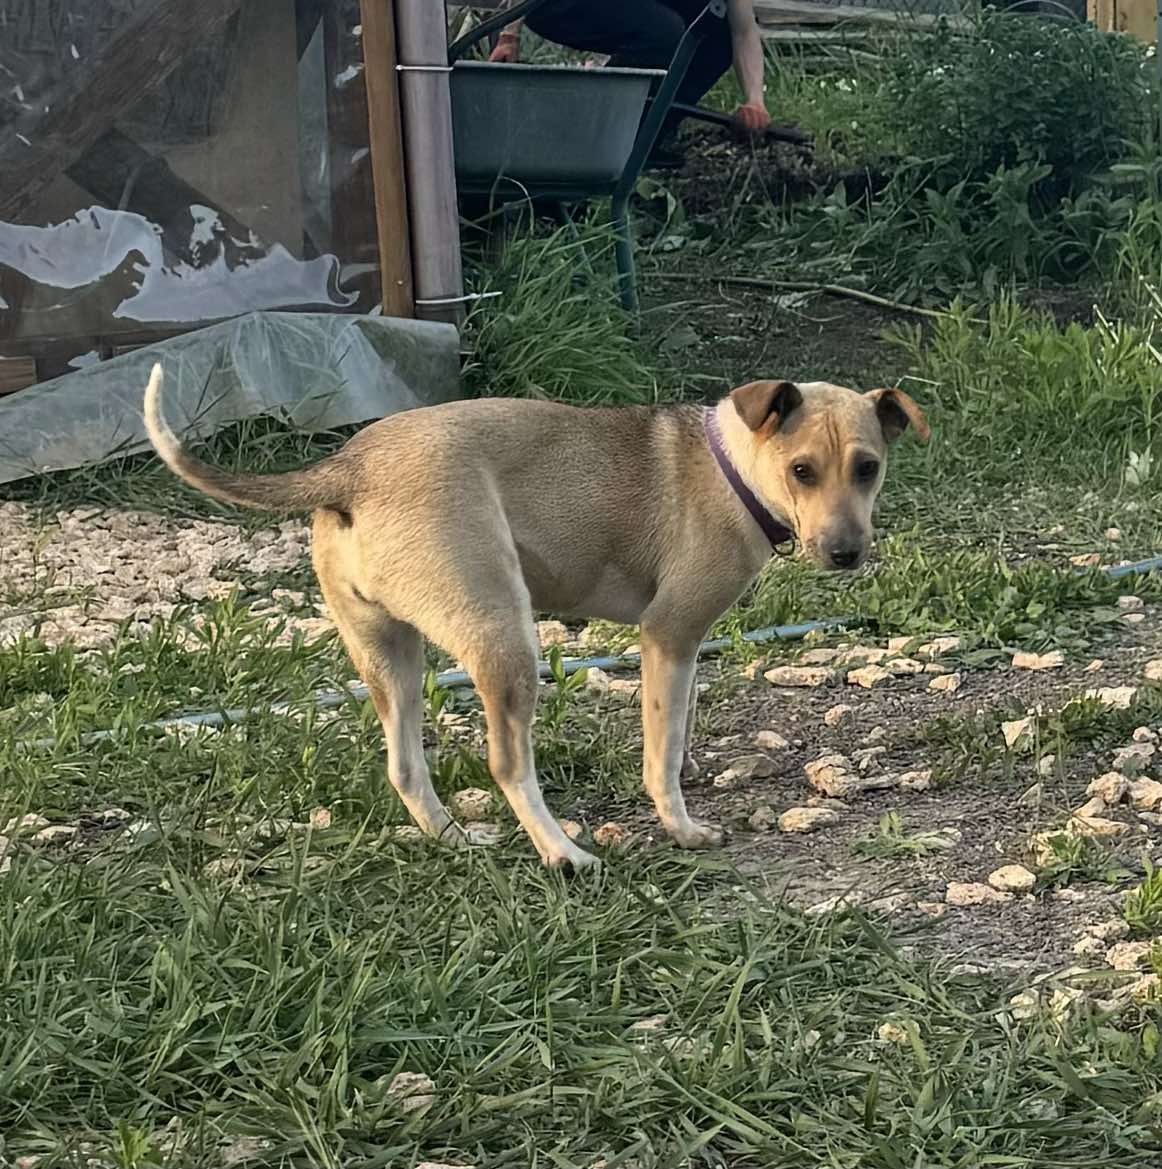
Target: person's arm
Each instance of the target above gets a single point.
(748, 65)
(508, 43)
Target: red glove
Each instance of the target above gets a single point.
(507, 49)
(752, 117)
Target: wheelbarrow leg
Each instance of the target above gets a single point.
(623, 252)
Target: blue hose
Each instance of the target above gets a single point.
(453, 679)
(449, 680)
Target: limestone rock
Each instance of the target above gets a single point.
(801, 677)
(1012, 879)
(1115, 697)
(470, 803)
(763, 818)
(904, 667)
(970, 893)
(839, 715)
(1034, 661)
(611, 835)
(1018, 733)
(807, 819)
(550, 633)
(1129, 955)
(1109, 788)
(945, 683)
(868, 676)
(939, 647)
(770, 741)
(412, 1091)
(1146, 795)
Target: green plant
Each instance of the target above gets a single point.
(555, 329)
(1142, 907)
(1073, 857)
(1078, 399)
(890, 840)
(554, 706)
(1013, 90)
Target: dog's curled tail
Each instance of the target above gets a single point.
(323, 485)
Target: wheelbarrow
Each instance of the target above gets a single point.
(525, 132)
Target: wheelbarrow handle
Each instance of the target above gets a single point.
(716, 118)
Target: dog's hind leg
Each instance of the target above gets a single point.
(501, 656)
(389, 656)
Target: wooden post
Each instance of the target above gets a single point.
(387, 156)
(427, 123)
(1139, 18)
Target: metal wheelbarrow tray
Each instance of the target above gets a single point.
(548, 128)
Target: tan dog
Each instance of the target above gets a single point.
(457, 522)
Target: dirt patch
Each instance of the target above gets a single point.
(979, 804)
(724, 172)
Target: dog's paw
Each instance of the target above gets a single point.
(690, 767)
(693, 834)
(571, 860)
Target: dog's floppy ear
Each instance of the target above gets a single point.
(760, 403)
(896, 411)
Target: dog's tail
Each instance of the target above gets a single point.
(323, 485)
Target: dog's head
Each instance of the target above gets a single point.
(815, 454)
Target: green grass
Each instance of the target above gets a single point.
(555, 330)
(155, 1013)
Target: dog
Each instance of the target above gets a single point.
(458, 522)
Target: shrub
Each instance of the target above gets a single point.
(1017, 90)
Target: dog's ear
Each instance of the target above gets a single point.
(760, 404)
(896, 411)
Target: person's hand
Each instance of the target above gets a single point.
(507, 49)
(752, 117)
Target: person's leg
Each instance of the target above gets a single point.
(714, 54)
(636, 34)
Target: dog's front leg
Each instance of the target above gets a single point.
(667, 684)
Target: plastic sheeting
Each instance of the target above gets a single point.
(317, 371)
(165, 166)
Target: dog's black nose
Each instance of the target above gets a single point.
(844, 555)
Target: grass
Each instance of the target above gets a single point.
(554, 330)
(158, 1011)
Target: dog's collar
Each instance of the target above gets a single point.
(778, 533)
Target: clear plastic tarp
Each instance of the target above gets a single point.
(315, 371)
(166, 165)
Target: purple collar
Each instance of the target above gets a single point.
(774, 531)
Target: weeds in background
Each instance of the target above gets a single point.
(556, 329)
(1019, 397)
(916, 589)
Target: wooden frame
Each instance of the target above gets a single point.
(387, 158)
(1139, 18)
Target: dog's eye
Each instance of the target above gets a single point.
(866, 470)
(803, 472)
